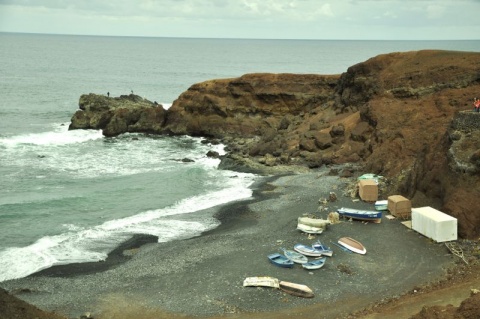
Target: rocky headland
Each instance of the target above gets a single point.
(406, 116)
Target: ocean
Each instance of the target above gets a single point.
(73, 196)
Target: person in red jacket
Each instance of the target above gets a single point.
(476, 104)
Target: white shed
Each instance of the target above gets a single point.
(434, 224)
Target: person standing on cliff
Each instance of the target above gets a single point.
(108, 94)
(476, 105)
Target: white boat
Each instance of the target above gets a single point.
(307, 250)
(309, 229)
(315, 264)
(314, 222)
(294, 256)
(326, 251)
(261, 281)
(296, 289)
(352, 245)
(381, 204)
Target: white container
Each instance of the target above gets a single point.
(434, 224)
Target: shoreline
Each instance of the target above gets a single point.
(208, 270)
(225, 214)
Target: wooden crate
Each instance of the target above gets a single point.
(399, 206)
(368, 190)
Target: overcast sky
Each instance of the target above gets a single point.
(266, 19)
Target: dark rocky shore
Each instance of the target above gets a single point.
(405, 116)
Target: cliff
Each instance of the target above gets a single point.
(405, 116)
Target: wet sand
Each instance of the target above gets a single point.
(203, 276)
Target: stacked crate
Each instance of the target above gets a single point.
(368, 190)
(400, 206)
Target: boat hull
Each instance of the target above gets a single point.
(261, 281)
(326, 251)
(352, 245)
(280, 260)
(294, 256)
(296, 289)
(315, 264)
(307, 251)
(309, 229)
(314, 222)
(365, 215)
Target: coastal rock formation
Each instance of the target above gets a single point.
(406, 116)
(117, 115)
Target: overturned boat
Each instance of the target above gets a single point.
(314, 222)
(366, 215)
(353, 245)
(298, 290)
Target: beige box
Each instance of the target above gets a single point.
(368, 190)
(399, 206)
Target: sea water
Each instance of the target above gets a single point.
(73, 196)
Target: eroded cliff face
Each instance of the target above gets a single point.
(394, 114)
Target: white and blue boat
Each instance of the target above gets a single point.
(280, 260)
(326, 251)
(315, 264)
(294, 256)
(307, 250)
(366, 215)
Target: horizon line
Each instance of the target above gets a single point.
(222, 38)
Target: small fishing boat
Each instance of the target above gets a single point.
(367, 215)
(280, 260)
(315, 264)
(326, 251)
(296, 289)
(309, 229)
(381, 205)
(295, 256)
(261, 281)
(307, 250)
(352, 245)
(314, 222)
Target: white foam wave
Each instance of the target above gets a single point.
(60, 136)
(78, 244)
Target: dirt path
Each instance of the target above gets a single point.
(449, 293)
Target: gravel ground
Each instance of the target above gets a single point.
(203, 276)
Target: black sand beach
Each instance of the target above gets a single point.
(203, 276)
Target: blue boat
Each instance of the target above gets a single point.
(315, 264)
(326, 251)
(367, 215)
(295, 256)
(280, 260)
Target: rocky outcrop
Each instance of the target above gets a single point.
(399, 115)
(117, 115)
(464, 135)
